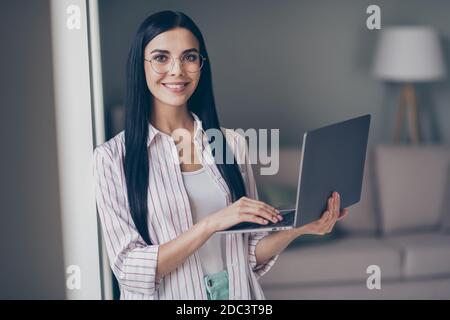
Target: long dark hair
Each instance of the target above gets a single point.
(138, 104)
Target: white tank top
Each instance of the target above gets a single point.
(205, 198)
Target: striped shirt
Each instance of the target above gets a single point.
(132, 261)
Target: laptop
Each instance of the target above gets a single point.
(332, 159)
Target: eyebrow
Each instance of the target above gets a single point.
(165, 51)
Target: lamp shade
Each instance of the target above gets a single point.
(409, 54)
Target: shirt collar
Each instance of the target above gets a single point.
(153, 132)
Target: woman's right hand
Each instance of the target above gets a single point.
(243, 210)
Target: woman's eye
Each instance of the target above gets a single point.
(190, 58)
(160, 58)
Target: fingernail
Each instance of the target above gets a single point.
(278, 211)
(280, 217)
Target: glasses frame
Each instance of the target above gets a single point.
(202, 60)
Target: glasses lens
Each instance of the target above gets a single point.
(161, 63)
(191, 62)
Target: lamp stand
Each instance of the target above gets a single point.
(407, 100)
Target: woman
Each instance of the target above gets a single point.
(159, 215)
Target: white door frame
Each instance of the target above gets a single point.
(80, 127)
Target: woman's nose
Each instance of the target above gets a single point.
(177, 67)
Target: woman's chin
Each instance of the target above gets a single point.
(176, 101)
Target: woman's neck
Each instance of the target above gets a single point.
(169, 118)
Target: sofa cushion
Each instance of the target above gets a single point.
(411, 186)
(343, 260)
(426, 254)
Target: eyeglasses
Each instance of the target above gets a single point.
(163, 63)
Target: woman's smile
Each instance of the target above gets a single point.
(173, 87)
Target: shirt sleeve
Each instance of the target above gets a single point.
(132, 261)
(252, 192)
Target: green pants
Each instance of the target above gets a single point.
(217, 285)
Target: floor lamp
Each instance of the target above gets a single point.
(408, 55)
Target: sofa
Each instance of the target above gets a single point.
(399, 232)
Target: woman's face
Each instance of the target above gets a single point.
(175, 43)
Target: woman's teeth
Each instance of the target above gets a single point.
(175, 86)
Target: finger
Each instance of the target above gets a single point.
(330, 217)
(261, 212)
(328, 224)
(331, 226)
(338, 204)
(327, 219)
(265, 205)
(253, 218)
(262, 206)
(333, 203)
(330, 220)
(267, 209)
(324, 218)
(331, 206)
(344, 213)
(258, 212)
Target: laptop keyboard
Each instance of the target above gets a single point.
(288, 220)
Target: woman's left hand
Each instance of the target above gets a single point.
(276, 242)
(326, 223)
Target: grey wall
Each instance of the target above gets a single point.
(323, 53)
(31, 264)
